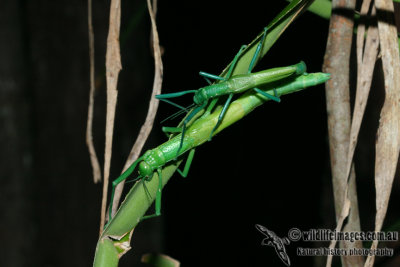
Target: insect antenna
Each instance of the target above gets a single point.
(177, 114)
(146, 189)
(133, 180)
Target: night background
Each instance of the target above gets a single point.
(270, 168)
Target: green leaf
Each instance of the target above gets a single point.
(275, 28)
(322, 8)
(160, 260)
(106, 254)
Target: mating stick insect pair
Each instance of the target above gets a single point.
(284, 79)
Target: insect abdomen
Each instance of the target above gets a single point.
(301, 82)
(271, 75)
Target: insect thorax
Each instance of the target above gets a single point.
(200, 96)
(152, 160)
(211, 91)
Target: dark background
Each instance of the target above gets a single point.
(271, 168)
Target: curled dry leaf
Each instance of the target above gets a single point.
(153, 106)
(388, 137)
(336, 62)
(89, 129)
(113, 66)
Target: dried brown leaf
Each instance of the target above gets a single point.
(388, 137)
(366, 63)
(343, 215)
(89, 129)
(336, 62)
(153, 106)
(113, 66)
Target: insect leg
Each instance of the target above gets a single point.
(257, 52)
(173, 116)
(121, 178)
(158, 194)
(186, 121)
(158, 198)
(211, 76)
(207, 80)
(164, 97)
(215, 100)
(221, 115)
(230, 70)
(169, 131)
(274, 98)
(189, 160)
(210, 107)
(172, 103)
(235, 60)
(177, 94)
(172, 129)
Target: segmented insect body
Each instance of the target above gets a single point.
(233, 85)
(299, 83)
(241, 83)
(198, 133)
(153, 160)
(159, 156)
(250, 100)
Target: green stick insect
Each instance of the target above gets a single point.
(163, 159)
(231, 85)
(199, 131)
(154, 160)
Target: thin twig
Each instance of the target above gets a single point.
(113, 66)
(153, 106)
(89, 129)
